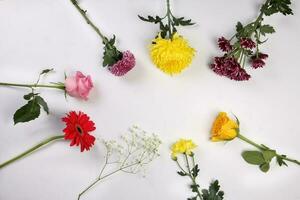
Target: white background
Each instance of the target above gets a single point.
(37, 34)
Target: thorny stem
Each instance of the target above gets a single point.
(34, 148)
(61, 87)
(262, 148)
(191, 176)
(88, 21)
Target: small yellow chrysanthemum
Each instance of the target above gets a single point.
(171, 56)
(182, 146)
(224, 128)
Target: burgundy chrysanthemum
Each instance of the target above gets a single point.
(77, 130)
(247, 43)
(224, 44)
(258, 61)
(124, 65)
(229, 67)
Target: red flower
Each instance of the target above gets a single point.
(247, 43)
(224, 44)
(77, 130)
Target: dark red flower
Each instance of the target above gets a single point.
(229, 67)
(77, 130)
(257, 61)
(247, 43)
(224, 44)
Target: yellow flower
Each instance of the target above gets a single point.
(182, 146)
(224, 128)
(171, 56)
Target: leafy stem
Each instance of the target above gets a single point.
(31, 150)
(263, 148)
(88, 21)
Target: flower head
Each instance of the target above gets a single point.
(258, 61)
(79, 86)
(224, 44)
(229, 67)
(224, 128)
(182, 146)
(247, 43)
(124, 65)
(171, 55)
(77, 130)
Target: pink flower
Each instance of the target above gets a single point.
(247, 43)
(124, 65)
(258, 61)
(79, 86)
(224, 44)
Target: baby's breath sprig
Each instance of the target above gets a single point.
(167, 30)
(131, 155)
(244, 45)
(184, 148)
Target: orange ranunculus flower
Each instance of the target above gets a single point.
(224, 128)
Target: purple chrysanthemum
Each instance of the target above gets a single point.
(258, 61)
(247, 43)
(229, 67)
(124, 65)
(224, 44)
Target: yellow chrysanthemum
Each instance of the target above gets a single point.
(182, 146)
(224, 128)
(171, 55)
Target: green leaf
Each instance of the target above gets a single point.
(264, 167)
(28, 112)
(213, 193)
(111, 54)
(182, 22)
(193, 198)
(195, 171)
(253, 157)
(151, 19)
(42, 103)
(278, 6)
(266, 29)
(239, 27)
(45, 71)
(181, 173)
(29, 96)
(280, 160)
(194, 187)
(269, 155)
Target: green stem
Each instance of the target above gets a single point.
(88, 21)
(262, 148)
(169, 14)
(51, 139)
(103, 177)
(192, 177)
(61, 87)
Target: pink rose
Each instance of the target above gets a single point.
(79, 86)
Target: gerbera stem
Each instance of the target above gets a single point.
(88, 21)
(34, 148)
(262, 148)
(61, 87)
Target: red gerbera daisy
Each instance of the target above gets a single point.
(77, 130)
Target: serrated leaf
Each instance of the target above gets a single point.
(266, 29)
(269, 155)
(195, 171)
(278, 6)
(194, 187)
(253, 157)
(28, 112)
(42, 103)
(213, 193)
(264, 167)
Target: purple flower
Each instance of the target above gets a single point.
(247, 43)
(124, 65)
(229, 67)
(258, 61)
(224, 44)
